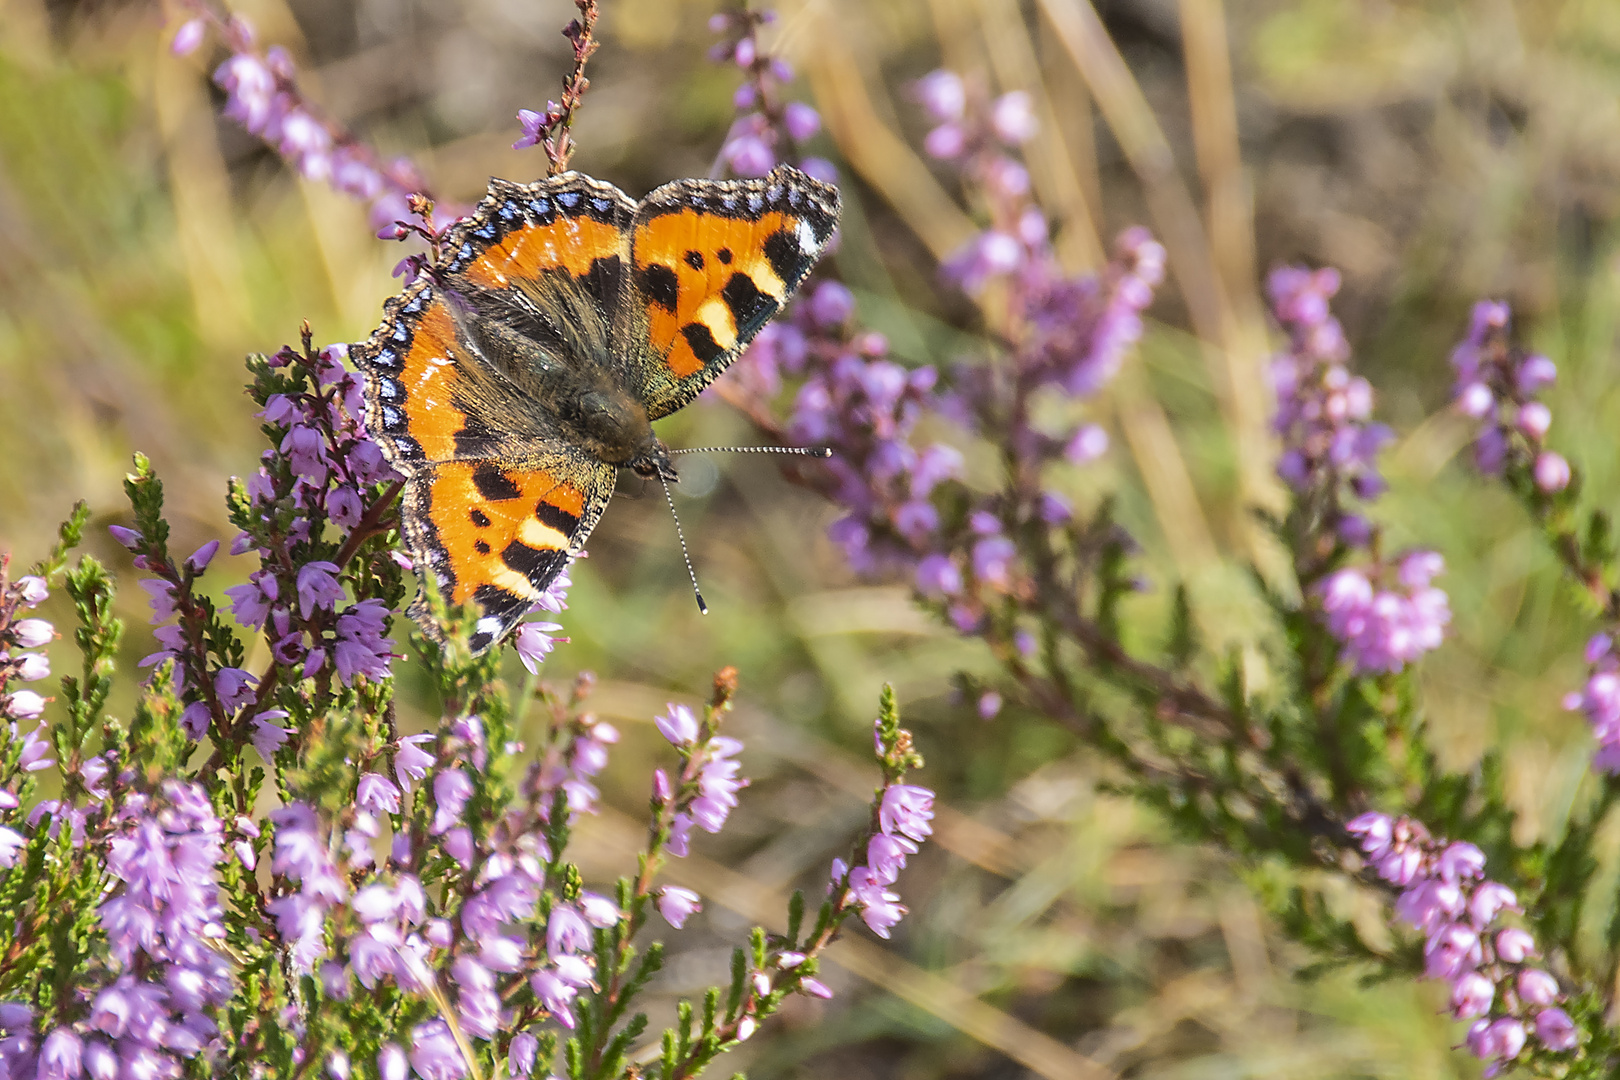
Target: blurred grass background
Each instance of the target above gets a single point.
(1434, 150)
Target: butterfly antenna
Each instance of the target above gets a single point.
(681, 536)
(800, 451)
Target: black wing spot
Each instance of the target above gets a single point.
(702, 342)
(483, 548)
(555, 517)
(659, 283)
(694, 259)
(749, 307)
(724, 255)
(602, 281)
(475, 437)
(479, 518)
(540, 566)
(493, 484)
(787, 258)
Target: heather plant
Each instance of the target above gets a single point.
(259, 871)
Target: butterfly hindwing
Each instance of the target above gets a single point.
(497, 535)
(711, 262)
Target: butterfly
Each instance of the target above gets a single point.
(523, 369)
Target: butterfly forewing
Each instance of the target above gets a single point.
(712, 261)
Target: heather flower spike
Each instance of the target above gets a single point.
(1385, 614)
(1444, 894)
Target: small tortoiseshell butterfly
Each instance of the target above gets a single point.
(512, 381)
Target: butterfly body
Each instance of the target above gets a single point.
(526, 367)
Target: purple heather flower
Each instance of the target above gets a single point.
(678, 725)
(886, 857)
(534, 642)
(269, 737)
(36, 747)
(677, 904)
(1537, 987)
(993, 560)
(199, 559)
(451, 790)
(520, 1056)
(815, 987)
(434, 1054)
(937, 575)
(801, 121)
(1551, 471)
(31, 633)
(11, 842)
(1556, 1030)
(1497, 385)
(533, 125)
(31, 590)
(942, 94)
(1012, 117)
(879, 908)
(392, 1063)
(411, 763)
(128, 538)
(376, 793)
(234, 687)
(23, 705)
(31, 667)
(1514, 945)
(1385, 629)
(749, 155)
(945, 142)
(188, 37)
(907, 810)
(567, 931)
(555, 996)
(194, 719)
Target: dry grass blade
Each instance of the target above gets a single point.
(1235, 344)
(1148, 150)
(877, 153)
(1050, 160)
(1164, 472)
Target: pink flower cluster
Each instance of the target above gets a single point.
(16, 636)
(1599, 699)
(157, 998)
(1323, 412)
(767, 130)
(1498, 386)
(1444, 894)
(387, 928)
(262, 95)
(706, 791)
(1384, 627)
(905, 820)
